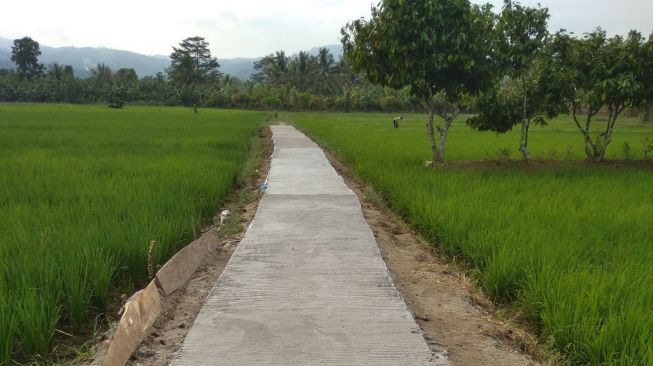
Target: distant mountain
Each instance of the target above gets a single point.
(83, 59)
(241, 68)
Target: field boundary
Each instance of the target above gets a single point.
(143, 308)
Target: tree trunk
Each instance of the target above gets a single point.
(590, 147)
(430, 131)
(523, 142)
(443, 137)
(607, 135)
(525, 124)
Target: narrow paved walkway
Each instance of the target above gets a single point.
(306, 285)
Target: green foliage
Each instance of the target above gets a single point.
(85, 189)
(7, 326)
(570, 249)
(413, 43)
(595, 74)
(500, 109)
(301, 82)
(521, 33)
(516, 98)
(627, 150)
(25, 53)
(435, 47)
(193, 71)
(647, 147)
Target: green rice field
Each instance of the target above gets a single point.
(85, 189)
(568, 244)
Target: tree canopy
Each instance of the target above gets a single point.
(25, 53)
(597, 73)
(436, 47)
(515, 96)
(192, 63)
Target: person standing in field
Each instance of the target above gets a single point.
(395, 122)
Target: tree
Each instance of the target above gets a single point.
(521, 36)
(595, 74)
(102, 74)
(437, 47)
(304, 70)
(192, 63)
(125, 85)
(647, 68)
(347, 78)
(272, 69)
(325, 63)
(60, 83)
(102, 77)
(25, 53)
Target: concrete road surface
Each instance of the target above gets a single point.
(306, 285)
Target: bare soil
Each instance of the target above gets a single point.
(539, 164)
(454, 315)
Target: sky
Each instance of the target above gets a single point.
(253, 28)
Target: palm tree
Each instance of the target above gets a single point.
(325, 63)
(279, 68)
(304, 70)
(102, 74)
(56, 71)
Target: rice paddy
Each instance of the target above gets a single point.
(85, 189)
(566, 243)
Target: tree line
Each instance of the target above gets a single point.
(299, 82)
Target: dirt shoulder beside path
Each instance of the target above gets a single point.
(454, 315)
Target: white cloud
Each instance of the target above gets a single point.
(250, 28)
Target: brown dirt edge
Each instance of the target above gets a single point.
(534, 165)
(454, 315)
(179, 310)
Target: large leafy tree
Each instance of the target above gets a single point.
(191, 63)
(25, 53)
(436, 47)
(598, 74)
(515, 98)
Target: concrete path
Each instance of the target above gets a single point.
(306, 285)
